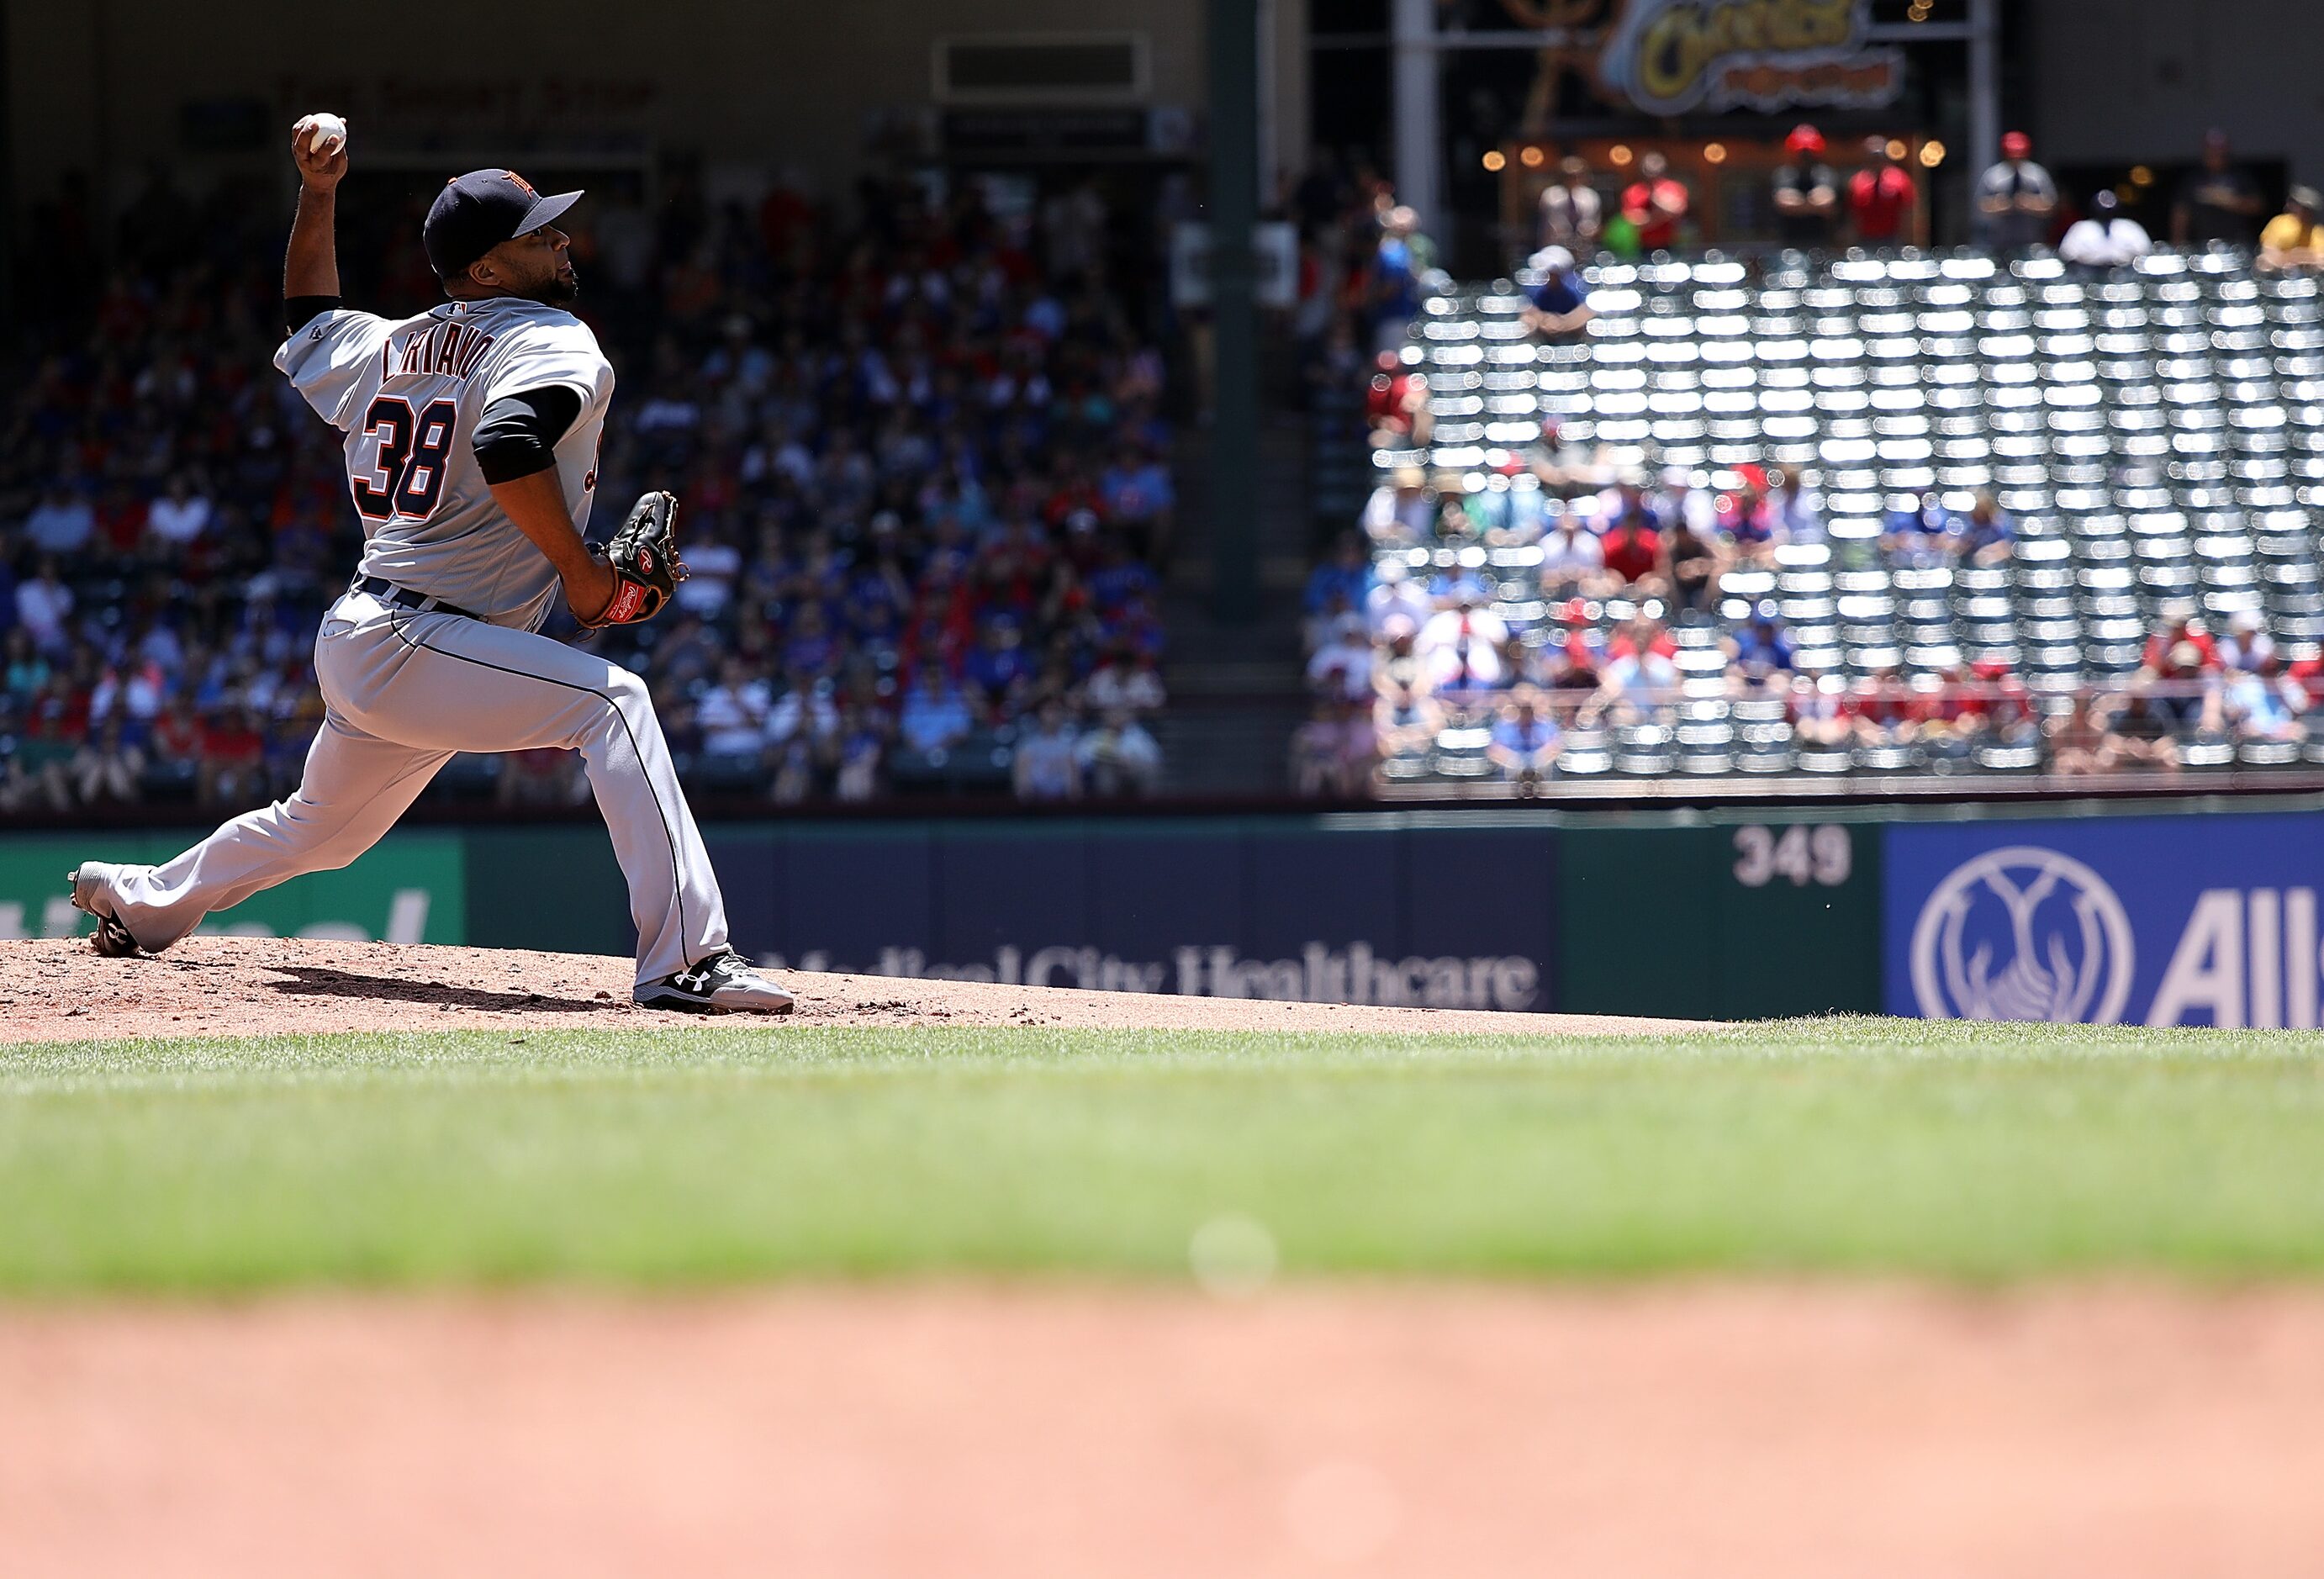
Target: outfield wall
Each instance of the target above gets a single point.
(2193, 912)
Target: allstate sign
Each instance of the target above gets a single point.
(2165, 920)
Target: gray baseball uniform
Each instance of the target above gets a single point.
(406, 688)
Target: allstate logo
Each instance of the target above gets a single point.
(2023, 933)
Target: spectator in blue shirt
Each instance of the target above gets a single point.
(1139, 498)
(1927, 531)
(2259, 706)
(1761, 650)
(1459, 585)
(1395, 289)
(1347, 574)
(1988, 536)
(1559, 306)
(1525, 743)
(999, 666)
(935, 715)
(1121, 580)
(61, 523)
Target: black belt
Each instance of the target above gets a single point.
(404, 597)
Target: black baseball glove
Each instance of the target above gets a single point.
(643, 556)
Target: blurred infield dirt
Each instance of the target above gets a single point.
(59, 990)
(937, 1430)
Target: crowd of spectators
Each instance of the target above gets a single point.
(2189, 687)
(920, 452)
(2219, 202)
(1406, 651)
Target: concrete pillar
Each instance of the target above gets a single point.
(1419, 126)
(1984, 87)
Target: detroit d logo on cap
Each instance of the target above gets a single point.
(2023, 933)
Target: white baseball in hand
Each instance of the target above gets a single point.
(325, 132)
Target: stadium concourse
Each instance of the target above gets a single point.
(1800, 521)
(920, 454)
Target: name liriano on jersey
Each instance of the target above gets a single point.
(409, 396)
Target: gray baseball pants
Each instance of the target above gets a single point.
(405, 691)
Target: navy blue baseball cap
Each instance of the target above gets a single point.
(476, 212)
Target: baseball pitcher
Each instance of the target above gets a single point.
(471, 435)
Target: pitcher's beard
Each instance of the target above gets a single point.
(557, 290)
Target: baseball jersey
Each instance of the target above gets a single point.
(409, 396)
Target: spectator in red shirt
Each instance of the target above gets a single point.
(1655, 203)
(1641, 635)
(1881, 195)
(1395, 403)
(1969, 703)
(2179, 629)
(121, 521)
(1633, 548)
(1881, 710)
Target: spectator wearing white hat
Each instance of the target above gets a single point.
(1558, 307)
(2247, 644)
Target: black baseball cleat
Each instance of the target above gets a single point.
(724, 983)
(89, 893)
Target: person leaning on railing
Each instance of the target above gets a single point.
(1526, 740)
(2077, 737)
(2294, 239)
(1557, 307)
(2138, 733)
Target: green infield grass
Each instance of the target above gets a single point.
(732, 1153)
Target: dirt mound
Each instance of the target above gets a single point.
(1815, 1432)
(58, 990)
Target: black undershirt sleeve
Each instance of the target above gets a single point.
(299, 312)
(518, 434)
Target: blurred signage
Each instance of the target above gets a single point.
(2180, 921)
(1273, 909)
(1275, 258)
(411, 889)
(1668, 57)
(439, 101)
(1050, 132)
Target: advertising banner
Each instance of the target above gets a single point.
(2141, 920)
(411, 889)
(1358, 910)
(1668, 57)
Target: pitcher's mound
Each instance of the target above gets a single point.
(58, 990)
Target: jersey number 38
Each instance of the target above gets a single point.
(414, 451)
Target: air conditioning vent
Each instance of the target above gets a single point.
(1041, 68)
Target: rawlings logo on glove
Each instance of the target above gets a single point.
(643, 556)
